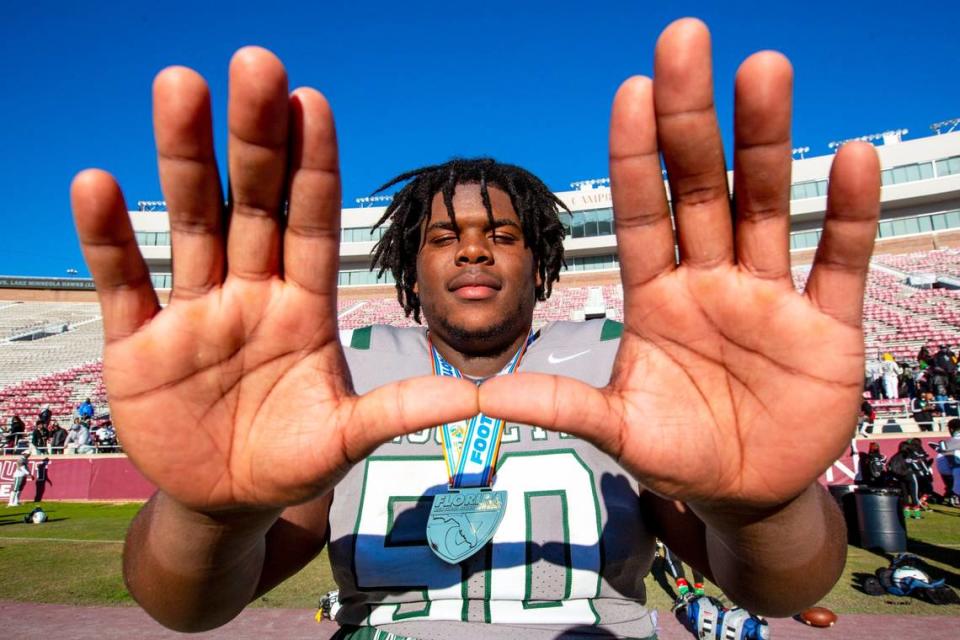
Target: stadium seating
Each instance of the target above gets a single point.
(61, 366)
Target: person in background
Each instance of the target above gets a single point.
(948, 461)
(866, 418)
(909, 381)
(904, 470)
(45, 415)
(922, 409)
(106, 438)
(13, 434)
(41, 479)
(873, 375)
(872, 472)
(891, 377)
(20, 476)
(38, 439)
(85, 411)
(78, 440)
(924, 359)
(56, 438)
(924, 472)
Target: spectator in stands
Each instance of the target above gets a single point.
(38, 439)
(106, 438)
(78, 440)
(873, 377)
(891, 377)
(924, 359)
(85, 411)
(56, 438)
(12, 434)
(45, 415)
(922, 409)
(908, 382)
(945, 359)
(940, 386)
(867, 416)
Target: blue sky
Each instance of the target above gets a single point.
(418, 82)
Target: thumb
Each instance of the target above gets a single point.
(404, 407)
(557, 403)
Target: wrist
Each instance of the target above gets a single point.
(733, 516)
(805, 524)
(776, 560)
(204, 539)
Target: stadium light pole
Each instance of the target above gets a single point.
(949, 125)
(371, 201)
(593, 183)
(890, 136)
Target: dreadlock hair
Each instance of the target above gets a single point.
(536, 206)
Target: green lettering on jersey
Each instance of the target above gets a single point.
(611, 330)
(361, 338)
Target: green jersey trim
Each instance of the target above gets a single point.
(611, 330)
(361, 338)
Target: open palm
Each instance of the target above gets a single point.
(729, 387)
(237, 393)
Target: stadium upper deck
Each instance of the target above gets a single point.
(921, 195)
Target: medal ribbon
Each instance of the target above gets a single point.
(471, 447)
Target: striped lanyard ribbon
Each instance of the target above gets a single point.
(471, 447)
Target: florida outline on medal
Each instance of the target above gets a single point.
(462, 521)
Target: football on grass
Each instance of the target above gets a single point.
(818, 617)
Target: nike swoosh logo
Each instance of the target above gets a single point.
(555, 360)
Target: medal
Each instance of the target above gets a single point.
(464, 519)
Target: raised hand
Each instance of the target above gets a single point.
(729, 386)
(237, 393)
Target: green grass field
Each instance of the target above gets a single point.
(75, 559)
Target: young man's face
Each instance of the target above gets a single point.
(477, 287)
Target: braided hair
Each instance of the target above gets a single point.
(536, 206)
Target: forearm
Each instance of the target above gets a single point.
(778, 562)
(192, 571)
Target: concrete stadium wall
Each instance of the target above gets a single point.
(47, 295)
(113, 477)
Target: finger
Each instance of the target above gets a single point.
(190, 180)
(761, 165)
(644, 230)
(840, 266)
(691, 146)
(409, 405)
(127, 298)
(257, 159)
(557, 403)
(312, 237)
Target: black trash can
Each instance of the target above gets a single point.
(880, 520)
(845, 495)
